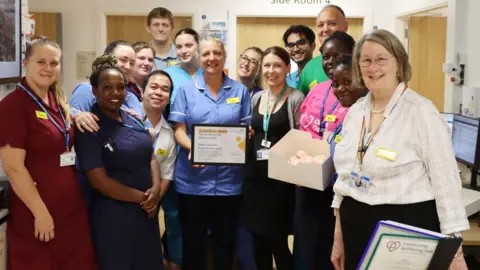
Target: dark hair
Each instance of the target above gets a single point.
(345, 61)
(161, 72)
(114, 44)
(188, 31)
(339, 9)
(301, 30)
(342, 37)
(103, 63)
(160, 12)
(280, 52)
(258, 78)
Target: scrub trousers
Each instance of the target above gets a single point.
(172, 237)
(359, 220)
(197, 215)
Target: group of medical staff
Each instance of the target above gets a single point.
(88, 177)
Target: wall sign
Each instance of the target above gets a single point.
(299, 2)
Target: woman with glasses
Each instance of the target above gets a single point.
(414, 178)
(320, 112)
(249, 69)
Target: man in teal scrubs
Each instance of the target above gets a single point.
(300, 43)
(330, 19)
(160, 23)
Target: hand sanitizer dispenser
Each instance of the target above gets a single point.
(470, 101)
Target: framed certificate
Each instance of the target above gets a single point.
(219, 144)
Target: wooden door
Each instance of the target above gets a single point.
(48, 24)
(133, 28)
(427, 52)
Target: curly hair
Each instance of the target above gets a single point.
(102, 63)
(343, 38)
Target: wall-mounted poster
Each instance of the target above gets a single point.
(10, 46)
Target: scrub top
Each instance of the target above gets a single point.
(165, 148)
(124, 236)
(195, 104)
(312, 108)
(26, 126)
(255, 90)
(179, 77)
(169, 61)
(312, 75)
(292, 79)
(83, 100)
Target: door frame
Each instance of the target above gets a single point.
(101, 21)
(232, 31)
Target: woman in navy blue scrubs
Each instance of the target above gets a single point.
(209, 196)
(119, 163)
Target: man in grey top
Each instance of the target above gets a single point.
(160, 23)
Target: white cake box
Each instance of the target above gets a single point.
(315, 176)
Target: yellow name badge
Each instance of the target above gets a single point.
(312, 84)
(338, 138)
(331, 118)
(162, 152)
(233, 100)
(386, 154)
(41, 115)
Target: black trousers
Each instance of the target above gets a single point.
(315, 224)
(197, 215)
(359, 220)
(264, 246)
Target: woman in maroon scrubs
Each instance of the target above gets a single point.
(47, 226)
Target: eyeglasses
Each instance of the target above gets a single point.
(252, 62)
(299, 43)
(380, 61)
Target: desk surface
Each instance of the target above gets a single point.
(472, 236)
(471, 200)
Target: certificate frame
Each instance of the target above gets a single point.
(244, 132)
(11, 36)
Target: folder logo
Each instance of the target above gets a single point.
(393, 245)
(241, 143)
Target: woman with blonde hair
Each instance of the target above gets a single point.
(48, 223)
(395, 160)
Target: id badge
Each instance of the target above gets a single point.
(364, 182)
(262, 154)
(266, 143)
(353, 179)
(67, 159)
(331, 118)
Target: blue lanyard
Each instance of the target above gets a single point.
(323, 123)
(156, 139)
(335, 133)
(136, 121)
(67, 126)
(266, 115)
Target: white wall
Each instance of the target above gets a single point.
(84, 21)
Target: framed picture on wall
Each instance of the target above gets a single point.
(10, 41)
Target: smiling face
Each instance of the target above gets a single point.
(186, 47)
(299, 48)
(111, 92)
(126, 59)
(249, 64)
(143, 63)
(329, 21)
(331, 52)
(157, 92)
(378, 67)
(160, 29)
(274, 70)
(343, 88)
(212, 56)
(43, 65)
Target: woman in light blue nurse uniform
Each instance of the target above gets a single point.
(186, 44)
(209, 197)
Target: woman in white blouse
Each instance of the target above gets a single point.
(395, 160)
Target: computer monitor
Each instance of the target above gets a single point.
(449, 119)
(465, 138)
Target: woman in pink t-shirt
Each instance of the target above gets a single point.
(320, 112)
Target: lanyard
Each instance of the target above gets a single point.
(323, 123)
(266, 115)
(363, 142)
(334, 133)
(136, 121)
(67, 126)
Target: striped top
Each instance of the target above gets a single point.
(424, 167)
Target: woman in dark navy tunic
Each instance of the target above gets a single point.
(119, 163)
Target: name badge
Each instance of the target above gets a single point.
(338, 138)
(312, 84)
(162, 152)
(262, 154)
(233, 100)
(331, 118)
(386, 154)
(67, 159)
(172, 63)
(41, 115)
